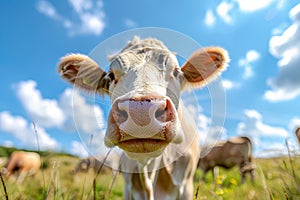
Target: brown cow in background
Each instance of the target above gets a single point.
(22, 164)
(297, 132)
(86, 164)
(99, 164)
(234, 152)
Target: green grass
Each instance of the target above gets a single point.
(276, 178)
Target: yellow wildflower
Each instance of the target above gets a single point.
(220, 179)
(220, 191)
(233, 181)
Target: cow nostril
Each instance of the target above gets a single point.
(120, 115)
(165, 113)
(161, 114)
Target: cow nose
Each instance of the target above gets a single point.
(146, 115)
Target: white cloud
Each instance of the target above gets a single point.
(78, 149)
(209, 133)
(279, 29)
(85, 118)
(273, 150)
(48, 9)
(72, 112)
(247, 62)
(283, 94)
(252, 56)
(210, 18)
(90, 23)
(81, 115)
(227, 84)
(25, 133)
(228, 10)
(262, 134)
(294, 124)
(89, 17)
(129, 23)
(44, 112)
(286, 85)
(81, 5)
(254, 125)
(253, 5)
(223, 10)
(279, 149)
(7, 143)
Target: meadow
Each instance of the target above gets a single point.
(276, 178)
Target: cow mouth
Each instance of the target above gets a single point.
(143, 145)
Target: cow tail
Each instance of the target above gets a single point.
(250, 156)
(249, 149)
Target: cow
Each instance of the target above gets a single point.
(147, 120)
(99, 164)
(227, 154)
(22, 164)
(297, 132)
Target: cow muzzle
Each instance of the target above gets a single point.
(142, 125)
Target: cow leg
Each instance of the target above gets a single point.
(243, 175)
(215, 171)
(188, 190)
(252, 175)
(21, 176)
(146, 183)
(243, 171)
(204, 176)
(128, 178)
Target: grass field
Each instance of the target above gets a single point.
(276, 178)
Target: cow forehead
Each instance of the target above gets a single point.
(142, 70)
(140, 51)
(159, 59)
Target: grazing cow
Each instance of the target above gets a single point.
(99, 164)
(234, 152)
(22, 164)
(147, 120)
(297, 132)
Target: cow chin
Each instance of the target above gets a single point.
(144, 158)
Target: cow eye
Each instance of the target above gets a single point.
(176, 72)
(111, 76)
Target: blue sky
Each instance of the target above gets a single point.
(262, 81)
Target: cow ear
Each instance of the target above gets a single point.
(204, 65)
(84, 73)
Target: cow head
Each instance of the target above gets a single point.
(144, 83)
(297, 132)
(83, 166)
(4, 171)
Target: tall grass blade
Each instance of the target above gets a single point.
(112, 184)
(42, 162)
(4, 187)
(98, 172)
